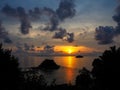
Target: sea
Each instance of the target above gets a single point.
(68, 71)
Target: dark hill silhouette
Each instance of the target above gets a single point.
(48, 64)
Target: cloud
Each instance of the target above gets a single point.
(48, 12)
(105, 34)
(48, 47)
(24, 47)
(66, 9)
(116, 18)
(24, 19)
(70, 37)
(4, 34)
(9, 11)
(60, 34)
(35, 14)
(25, 25)
(7, 40)
(21, 14)
(53, 26)
(19, 46)
(28, 47)
(64, 35)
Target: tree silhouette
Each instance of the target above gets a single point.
(9, 70)
(106, 69)
(84, 80)
(34, 81)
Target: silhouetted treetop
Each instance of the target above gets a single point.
(106, 69)
(83, 80)
(9, 70)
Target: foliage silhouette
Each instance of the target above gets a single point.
(83, 80)
(9, 70)
(33, 81)
(106, 69)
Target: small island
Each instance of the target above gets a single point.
(48, 64)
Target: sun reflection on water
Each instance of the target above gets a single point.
(69, 61)
(70, 66)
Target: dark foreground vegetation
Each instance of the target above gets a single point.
(104, 75)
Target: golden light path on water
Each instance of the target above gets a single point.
(69, 73)
(73, 65)
(69, 61)
(70, 65)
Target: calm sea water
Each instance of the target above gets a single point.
(70, 66)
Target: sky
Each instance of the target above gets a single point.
(82, 25)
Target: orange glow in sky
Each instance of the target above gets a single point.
(73, 49)
(69, 49)
(38, 48)
(65, 49)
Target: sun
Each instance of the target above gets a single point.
(70, 51)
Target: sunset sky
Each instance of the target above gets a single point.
(63, 25)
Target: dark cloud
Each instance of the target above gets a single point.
(62, 34)
(21, 14)
(24, 47)
(4, 34)
(66, 9)
(7, 40)
(19, 46)
(24, 19)
(116, 18)
(54, 23)
(25, 25)
(36, 13)
(48, 49)
(28, 47)
(105, 34)
(70, 37)
(48, 11)
(9, 11)
(53, 26)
